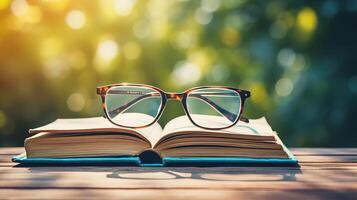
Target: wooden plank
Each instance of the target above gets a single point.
(328, 166)
(120, 178)
(211, 170)
(327, 159)
(324, 151)
(6, 158)
(178, 194)
(6, 164)
(257, 184)
(11, 150)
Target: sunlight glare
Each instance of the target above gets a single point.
(107, 50)
(186, 73)
(19, 7)
(123, 7)
(75, 19)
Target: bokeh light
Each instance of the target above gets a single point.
(186, 73)
(76, 102)
(19, 7)
(107, 50)
(284, 87)
(75, 19)
(123, 7)
(307, 20)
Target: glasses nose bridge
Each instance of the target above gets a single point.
(174, 96)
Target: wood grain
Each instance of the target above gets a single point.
(180, 194)
(324, 174)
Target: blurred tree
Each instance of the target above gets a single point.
(297, 58)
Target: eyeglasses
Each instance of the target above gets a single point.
(138, 105)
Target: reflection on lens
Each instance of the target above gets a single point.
(214, 107)
(132, 106)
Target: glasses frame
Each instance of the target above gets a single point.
(165, 96)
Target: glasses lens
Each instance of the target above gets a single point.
(214, 107)
(132, 106)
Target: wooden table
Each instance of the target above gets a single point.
(324, 174)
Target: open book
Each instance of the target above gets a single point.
(96, 137)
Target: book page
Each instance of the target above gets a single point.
(254, 127)
(98, 124)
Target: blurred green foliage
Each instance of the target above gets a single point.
(298, 58)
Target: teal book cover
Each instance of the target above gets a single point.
(165, 162)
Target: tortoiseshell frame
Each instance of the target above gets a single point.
(244, 94)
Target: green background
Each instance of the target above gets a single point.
(298, 58)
